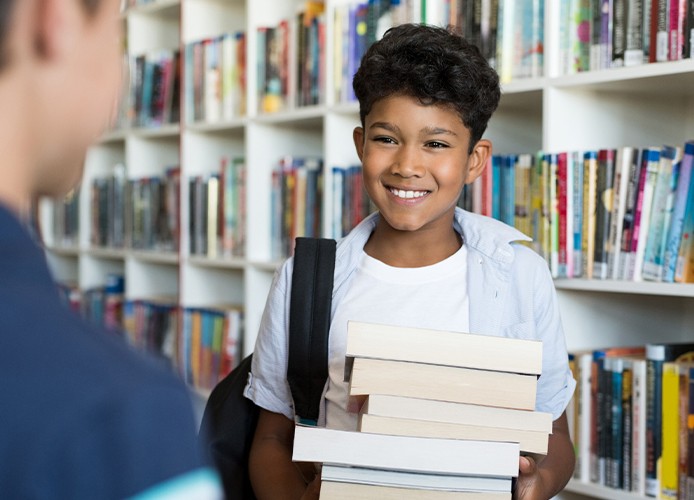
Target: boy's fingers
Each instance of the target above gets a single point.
(526, 465)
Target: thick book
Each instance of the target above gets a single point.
(335, 490)
(457, 413)
(444, 383)
(529, 441)
(485, 352)
(417, 480)
(405, 453)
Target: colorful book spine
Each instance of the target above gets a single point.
(685, 188)
(661, 208)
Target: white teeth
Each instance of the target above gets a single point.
(401, 193)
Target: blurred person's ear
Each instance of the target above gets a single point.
(54, 26)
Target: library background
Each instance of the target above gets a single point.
(234, 136)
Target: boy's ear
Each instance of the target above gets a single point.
(52, 27)
(478, 159)
(358, 137)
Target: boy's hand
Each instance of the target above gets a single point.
(312, 490)
(530, 483)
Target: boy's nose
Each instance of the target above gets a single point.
(408, 162)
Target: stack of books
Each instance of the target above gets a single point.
(444, 414)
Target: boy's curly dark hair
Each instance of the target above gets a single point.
(435, 65)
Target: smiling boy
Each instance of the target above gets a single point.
(425, 98)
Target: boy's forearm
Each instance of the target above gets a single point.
(273, 474)
(557, 467)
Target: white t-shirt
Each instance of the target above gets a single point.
(434, 297)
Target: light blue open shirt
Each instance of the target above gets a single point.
(510, 290)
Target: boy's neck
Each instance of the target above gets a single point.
(412, 248)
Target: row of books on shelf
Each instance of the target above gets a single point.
(296, 203)
(444, 415)
(100, 305)
(215, 73)
(218, 211)
(151, 91)
(144, 213)
(66, 220)
(632, 419)
(607, 34)
(291, 60)
(624, 213)
(351, 203)
(201, 344)
(139, 213)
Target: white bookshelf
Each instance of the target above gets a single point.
(636, 106)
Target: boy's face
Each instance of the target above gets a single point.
(78, 80)
(415, 161)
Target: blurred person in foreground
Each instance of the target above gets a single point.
(82, 415)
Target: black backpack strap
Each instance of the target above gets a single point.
(309, 324)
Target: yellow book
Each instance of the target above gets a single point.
(590, 184)
(668, 465)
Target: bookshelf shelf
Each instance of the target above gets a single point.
(602, 492)
(165, 131)
(236, 124)
(155, 257)
(64, 251)
(114, 136)
(627, 287)
(222, 262)
(312, 115)
(107, 253)
(164, 8)
(267, 266)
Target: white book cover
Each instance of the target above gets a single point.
(406, 453)
(385, 477)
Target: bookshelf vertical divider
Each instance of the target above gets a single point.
(636, 106)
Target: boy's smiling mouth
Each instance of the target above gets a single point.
(406, 193)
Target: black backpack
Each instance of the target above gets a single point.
(229, 419)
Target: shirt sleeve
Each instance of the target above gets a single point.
(267, 384)
(556, 385)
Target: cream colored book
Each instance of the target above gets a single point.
(529, 441)
(333, 490)
(485, 352)
(457, 413)
(443, 383)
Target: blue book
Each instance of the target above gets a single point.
(496, 186)
(685, 190)
(507, 205)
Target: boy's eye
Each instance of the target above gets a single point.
(436, 144)
(384, 139)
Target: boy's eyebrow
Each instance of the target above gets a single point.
(437, 131)
(386, 125)
(425, 131)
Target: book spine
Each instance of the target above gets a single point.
(638, 427)
(643, 212)
(682, 431)
(633, 54)
(603, 211)
(627, 432)
(669, 460)
(652, 259)
(619, 32)
(590, 167)
(654, 371)
(676, 228)
(577, 213)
